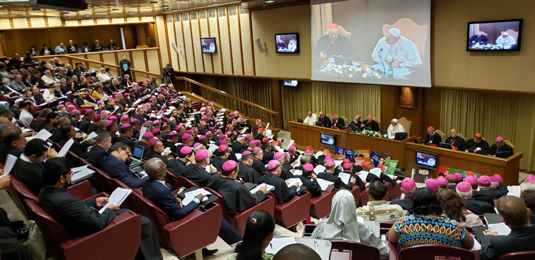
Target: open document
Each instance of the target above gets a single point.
(118, 196)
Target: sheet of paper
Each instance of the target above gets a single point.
(513, 191)
(318, 154)
(338, 162)
(376, 172)
(319, 169)
(92, 135)
(324, 183)
(345, 177)
(80, 168)
(43, 135)
(238, 156)
(290, 144)
(268, 133)
(297, 161)
(212, 148)
(293, 181)
(10, 162)
(267, 126)
(501, 228)
(208, 168)
(178, 144)
(141, 133)
(81, 175)
(278, 243)
(26, 130)
(363, 175)
(373, 226)
(189, 196)
(298, 172)
(257, 188)
(166, 150)
(117, 197)
(65, 148)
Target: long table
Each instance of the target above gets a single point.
(483, 164)
(405, 151)
(305, 135)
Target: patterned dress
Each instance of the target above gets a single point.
(265, 256)
(420, 230)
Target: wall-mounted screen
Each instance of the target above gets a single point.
(502, 35)
(208, 45)
(290, 82)
(287, 43)
(427, 160)
(327, 139)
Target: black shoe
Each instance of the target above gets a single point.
(208, 252)
(17, 224)
(23, 233)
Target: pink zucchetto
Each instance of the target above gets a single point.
(201, 154)
(408, 184)
(185, 137)
(432, 184)
(229, 166)
(442, 181)
(329, 164)
(485, 180)
(277, 155)
(464, 187)
(273, 164)
(246, 152)
(148, 135)
(186, 150)
(154, 141)
(257, 149)
(308, 167)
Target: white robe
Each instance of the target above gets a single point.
(506, 42)
(311, 120)
(392, 130)
(404, 51)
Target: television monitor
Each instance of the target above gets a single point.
(327, 139)
(287, 43)
(427, 160)
(209, 45)
(401, 136)
(503, 35)
(444, 145)
(290, 82)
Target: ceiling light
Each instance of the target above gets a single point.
(115, 10)
(154, 2)
(270, 1)
(131, 12)
(65, 12)
(87, 16)
(96, 6)
(165, 7)
(1, 6)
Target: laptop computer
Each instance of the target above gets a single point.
(342, 60)
(137, 157)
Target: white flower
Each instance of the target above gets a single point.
(359, 69)
(365, 75)
(350, 75)
(369, 70)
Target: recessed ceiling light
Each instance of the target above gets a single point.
(165, 7)
(65, 12)
(130, 12)
(270, 1)
(96, 6)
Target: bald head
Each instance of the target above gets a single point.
(296, 252)
(514, 211)
(155, 168)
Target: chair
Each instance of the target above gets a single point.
(395, 193)
(429, 252)
(518, 255)
(320, 206)
(442, 135)
(346, 121)
(294, 211)
(15, 72)
(177, 235)
(412, 31)
(388, 191)
(178, 182)
(24, 71)
(239, 219)
(32, 69)
(511, 32)
(342, 249)
(356, 194)
(384, 227)
(461, 136)
(118, 240)
(507, 142)
(376, 119)
(364, 197)
(406, 124)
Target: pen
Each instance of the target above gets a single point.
(316, 246)
(270, 245)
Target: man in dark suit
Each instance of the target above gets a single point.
(160, 194)
(86, 122)
(178, 165)
(477, 145)
(80, 218)
(456, 141)
(239, 145)
(329, 176)
(487, 193)
(246, 172)
(114, 165)
(14, 141)
(464, 189)
(370, 123)
(433, 138)
(196, 172)
(282, 191)
(408, 186)
(515, 215)
(29, 167)
(99, 150)
(126, 136)
(324, 120)
(338, 122)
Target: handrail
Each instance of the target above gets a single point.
(90, 53)
(108, 64)
(231, 102)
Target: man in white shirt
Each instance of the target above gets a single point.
(25, 116)
(311, 119)
(103, 76)
(6, 86)
(395, 127)
(396, 50)
(48, 78)
(60, 49)
(48, 95)
(505, 41)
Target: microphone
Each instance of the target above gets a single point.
(382, 62)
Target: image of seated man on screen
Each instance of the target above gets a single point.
(396, 52)
(480, 38)
(426, 160)
(506, 41)
(333, 44)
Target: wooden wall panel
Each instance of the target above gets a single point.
(179, 41)
(162, 39)
(108, 57)
(95, 66)
(139, 59)
(195, 37)
(20, 23)
(188, 47)
(153, 62)
(205, 32)
(224, 33)
(171, 34)
(214, 32)
(87, 22)
(246, 42)
(235, 40)
(38, 22)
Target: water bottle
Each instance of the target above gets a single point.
(390, 70)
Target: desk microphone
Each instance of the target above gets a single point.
(382, 62)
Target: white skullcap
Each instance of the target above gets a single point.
(395, 32)
(395, 120)
(505, 33)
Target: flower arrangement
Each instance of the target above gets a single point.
(371, 133)
(356, 71)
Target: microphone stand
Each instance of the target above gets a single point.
(382, 62)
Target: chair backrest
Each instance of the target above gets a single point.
(412, 31)
(433, 251)
(346, 121)
(513, 34)
(507, 142)
(54, 233)
(376, 119)
(145, 207)
(406, 124)
(24, 71)
(442, 135)
(15, 72)
(23, 190)
(461, 136)
(518, 255)
(105, 182)
(352, 250)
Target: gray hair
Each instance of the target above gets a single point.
(527, 185)
(304, 159)
(464, 195)
(102, 123)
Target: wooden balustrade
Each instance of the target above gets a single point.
(226, 100)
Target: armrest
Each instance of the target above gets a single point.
(81, 190)
(102, 194)
(118, 240)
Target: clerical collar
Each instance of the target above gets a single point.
(24, 158)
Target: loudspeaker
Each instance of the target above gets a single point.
(261, 48)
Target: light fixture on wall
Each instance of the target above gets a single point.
(270, 1)
(176, 48)
(261, 47)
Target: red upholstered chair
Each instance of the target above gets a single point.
(82, 190)
(364, 197)
(118, 240)
(388, 191)
(294, 211)
(178, 182)
(105, 182)
(179, 235)
(429, 252)
(352, 250)
(356, 194)
(384, 227)
(19, 192)
(239, 219)
(522, 255)
(320, 206)
(395, 193)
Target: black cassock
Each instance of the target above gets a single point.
(433, 139)
(176, 166)
(197, 174)
(338, 183)
(282, 192)
(458, 142)
(236, 195)
(218, 163)
(259, 166)
(312, 186)
(324, 121)
(248, 174)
